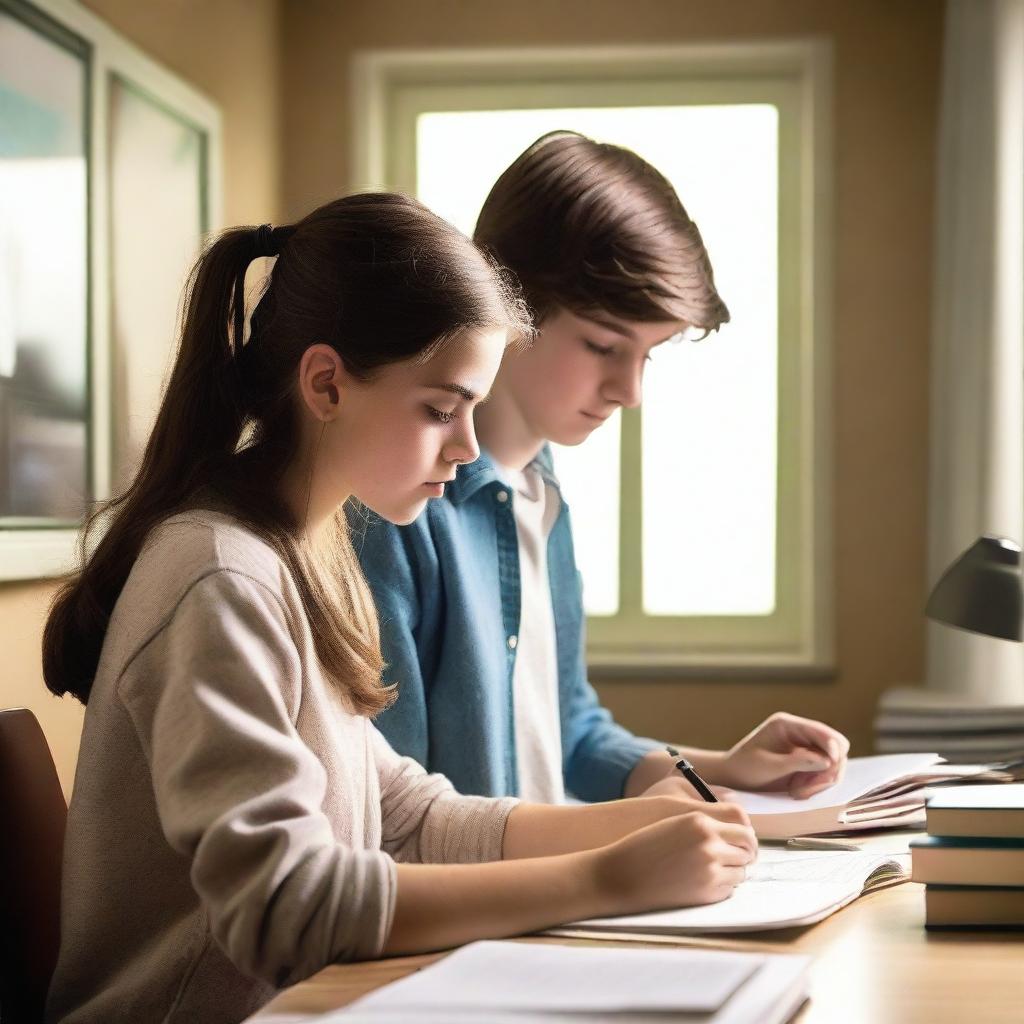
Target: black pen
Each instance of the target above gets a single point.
(693, 778)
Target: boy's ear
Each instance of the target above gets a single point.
(321, 378)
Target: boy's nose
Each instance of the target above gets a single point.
(625, 388)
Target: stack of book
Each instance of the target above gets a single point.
(959, 729)
(972, 861)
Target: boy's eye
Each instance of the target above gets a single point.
(440, 414)
(601, 350)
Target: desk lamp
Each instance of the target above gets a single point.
(981, 590)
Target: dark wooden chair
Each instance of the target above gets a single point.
(32, 819)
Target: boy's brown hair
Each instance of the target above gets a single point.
(591, 226)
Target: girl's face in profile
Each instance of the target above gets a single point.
(400, 436)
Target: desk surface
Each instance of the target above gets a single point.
(873, 964)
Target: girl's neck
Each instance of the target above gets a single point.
(303, 491)
(502, 429)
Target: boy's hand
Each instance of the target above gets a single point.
(796, 755)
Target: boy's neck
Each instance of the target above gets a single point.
(502, 430)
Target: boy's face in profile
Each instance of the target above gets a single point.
(580, 370)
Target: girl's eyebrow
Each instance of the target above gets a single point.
(461, 391)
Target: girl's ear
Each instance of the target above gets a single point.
(321, 376)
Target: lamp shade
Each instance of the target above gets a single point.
(981, 590)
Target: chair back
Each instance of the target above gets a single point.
(32, 819)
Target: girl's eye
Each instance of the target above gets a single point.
(440, 414)
(601, 350)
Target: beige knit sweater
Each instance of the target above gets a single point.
(232, 826)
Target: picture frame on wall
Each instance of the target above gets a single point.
(110, 274)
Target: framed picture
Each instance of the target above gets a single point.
(109, 180)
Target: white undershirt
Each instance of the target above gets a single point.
(535, 676)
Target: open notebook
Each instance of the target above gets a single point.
(875, 792)
(784, 889)
(501, 982)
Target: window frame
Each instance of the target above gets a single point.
(391, 88)
(41, 553)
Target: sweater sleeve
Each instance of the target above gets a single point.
(424, 820)
(213, 697)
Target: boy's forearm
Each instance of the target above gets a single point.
(441, 905)
(543, 830)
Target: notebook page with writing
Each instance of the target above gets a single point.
(784, 889)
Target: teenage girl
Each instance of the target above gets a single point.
(237, 821)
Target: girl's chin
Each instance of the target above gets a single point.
(401, 516)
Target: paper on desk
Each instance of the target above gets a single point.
(773, 995)
(532, 978)
(784, 889)
(862, 776)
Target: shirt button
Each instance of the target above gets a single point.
(503, 497)
(513, 641)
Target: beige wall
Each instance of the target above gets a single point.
(230, 50)
(279, 69)
(887, 56)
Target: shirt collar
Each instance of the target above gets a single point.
(472, 477)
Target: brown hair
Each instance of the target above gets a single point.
(587, 225)
(378, 277)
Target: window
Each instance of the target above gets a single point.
(92, 129)
(715, 493)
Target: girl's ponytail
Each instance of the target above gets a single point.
(196, 430)
(378, 277)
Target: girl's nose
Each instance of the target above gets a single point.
(463, 448)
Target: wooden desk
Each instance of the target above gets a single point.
(873, 964)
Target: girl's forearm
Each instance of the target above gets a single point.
(443, 905)
(658, 764)
(543, 830)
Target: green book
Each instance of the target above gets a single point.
(981, 811)
(963, 860)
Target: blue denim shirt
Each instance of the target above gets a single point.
(447, 589)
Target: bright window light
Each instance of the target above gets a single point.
(710, 409)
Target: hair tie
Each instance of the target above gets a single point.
(264, 241)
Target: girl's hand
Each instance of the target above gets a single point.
(795, 755)
(691, 858)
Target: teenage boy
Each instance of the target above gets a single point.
(481, 611)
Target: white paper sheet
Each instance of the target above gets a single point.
(863, 774)
(535, 978)
(772, 996)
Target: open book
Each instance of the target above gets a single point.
(784, 889)
(875, 792)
